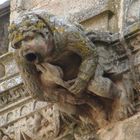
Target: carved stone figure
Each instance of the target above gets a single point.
(69, 41)
(60, 64)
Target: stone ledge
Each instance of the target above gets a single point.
(10, 83)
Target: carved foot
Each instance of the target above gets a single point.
(124, 108)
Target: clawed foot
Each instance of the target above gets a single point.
(124, 109)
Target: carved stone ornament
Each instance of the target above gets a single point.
(88, 77)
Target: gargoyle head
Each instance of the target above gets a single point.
(33, 36)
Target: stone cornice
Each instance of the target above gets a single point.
(90, 13)
(109, 38)
(5, 8)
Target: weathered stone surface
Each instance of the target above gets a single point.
(123, 130)
(22, 118)
(93, 14)
(114, 77)
(9, 70)
(133, 14)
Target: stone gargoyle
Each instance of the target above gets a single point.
(60, 64)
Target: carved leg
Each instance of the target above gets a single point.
(104, 87)
(121, 92)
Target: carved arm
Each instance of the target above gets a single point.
(82, 46)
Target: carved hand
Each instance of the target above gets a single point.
(51, 74)
(128, 106)
(78, 87)
(125, 109)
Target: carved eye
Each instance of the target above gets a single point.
(41, 34)
(28, 38)
(17, 45)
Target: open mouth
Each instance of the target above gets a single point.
(31, 57)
